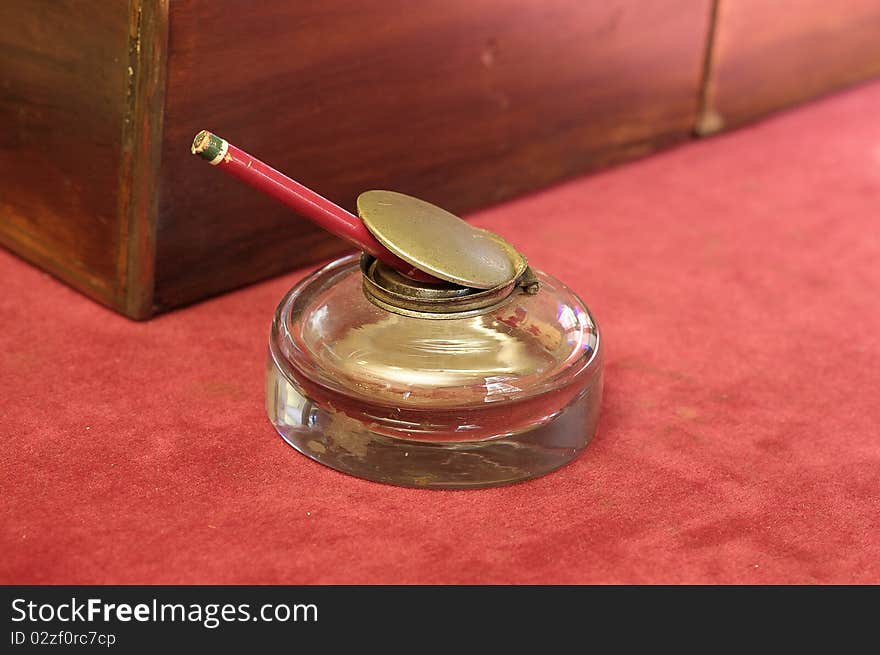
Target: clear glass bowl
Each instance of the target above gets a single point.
(460, 402)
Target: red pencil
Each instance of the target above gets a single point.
(302, 200)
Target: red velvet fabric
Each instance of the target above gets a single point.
(736, 282)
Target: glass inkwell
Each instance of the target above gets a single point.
(435, 358)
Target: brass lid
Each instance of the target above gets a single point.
(439, 243)
(391, 290)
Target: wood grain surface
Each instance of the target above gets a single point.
(771, 55)
(139, 174)
(461, 102)
(464, 103)
(63, 77)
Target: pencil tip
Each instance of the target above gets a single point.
(200, 142)
(209, 147)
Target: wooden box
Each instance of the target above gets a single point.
(461, 102)
(765, 56)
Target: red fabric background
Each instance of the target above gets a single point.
(736, 281)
